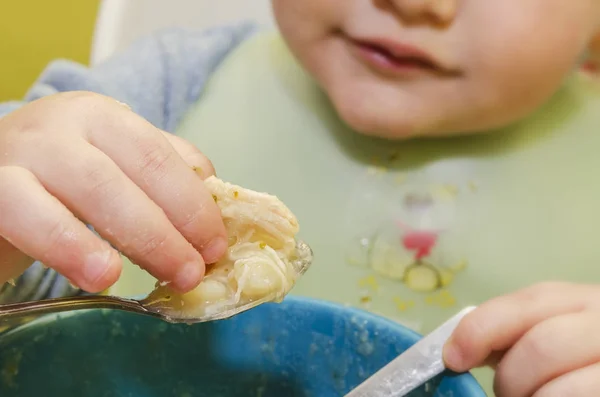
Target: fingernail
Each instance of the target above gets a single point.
(96, 265)
(452, 357)
(214, 250)
(188, 276)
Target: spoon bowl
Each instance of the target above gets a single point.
(15, 314)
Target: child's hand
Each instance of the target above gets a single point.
(544, 341)
(80, 157)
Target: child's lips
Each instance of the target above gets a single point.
(398, 59)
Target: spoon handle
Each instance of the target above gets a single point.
(15, 314)
(413, 368)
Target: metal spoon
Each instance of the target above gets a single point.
(416, 366)
(20, 313)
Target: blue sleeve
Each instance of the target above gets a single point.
(159, 76)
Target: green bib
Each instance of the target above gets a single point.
(482, 215)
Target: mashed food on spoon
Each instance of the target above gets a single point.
(260, 265)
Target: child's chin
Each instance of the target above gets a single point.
(376, 127)
(406, 129)
(406, 132)
(394, 135)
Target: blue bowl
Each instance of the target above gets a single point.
(301, 347)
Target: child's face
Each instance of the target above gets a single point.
(480, 63)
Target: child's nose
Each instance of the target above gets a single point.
(436, 11)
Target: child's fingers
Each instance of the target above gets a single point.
(191, 155)
(497, 324)
(149, 160)
(118, 172)
(584, 382)
(551, 348)
(40, 226)
(90, 184)
(12, 261)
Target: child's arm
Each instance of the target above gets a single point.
(159, 77)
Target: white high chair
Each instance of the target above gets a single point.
(120, 22)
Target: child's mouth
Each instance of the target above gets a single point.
(383, 57)
(397, 59)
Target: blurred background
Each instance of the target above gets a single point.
(36, 31)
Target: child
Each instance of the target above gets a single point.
(518, 203)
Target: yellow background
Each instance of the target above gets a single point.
(33, 32)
